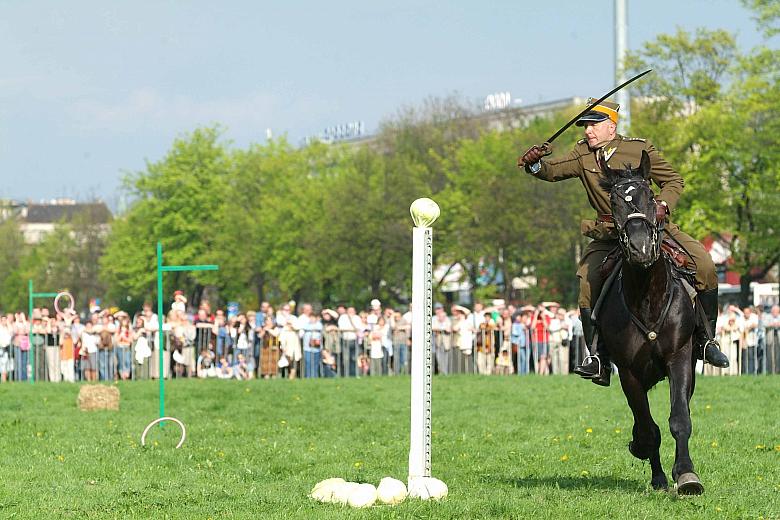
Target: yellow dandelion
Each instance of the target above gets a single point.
(569, 437)
(714, 444)
(564, 458)
(282, 422)
(588, 430)
(60, 458)
(760, 447)
(708, 407)
(759, 478)
(221, 454)
(777, 447)
(718, 509)
(584, 473)
(358, 464)
(618, 430)
(39, 434)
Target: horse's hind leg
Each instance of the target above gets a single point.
(680, 389)
(646, 434)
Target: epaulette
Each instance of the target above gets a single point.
(634, 139)
(582, 141)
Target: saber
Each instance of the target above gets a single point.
(546, 145)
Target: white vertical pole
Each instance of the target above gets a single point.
(421, 358)
(621, 48)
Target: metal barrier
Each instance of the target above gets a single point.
(206, 352)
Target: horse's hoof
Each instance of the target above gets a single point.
(689, 484)
(660, 484)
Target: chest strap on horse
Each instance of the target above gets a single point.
(650, 333)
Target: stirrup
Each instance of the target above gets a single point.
(592, 356)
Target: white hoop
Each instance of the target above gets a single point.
(174, 419)
(72, 306)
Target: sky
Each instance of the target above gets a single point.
(93, 90)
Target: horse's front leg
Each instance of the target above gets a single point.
(680, 389)
(646, 434)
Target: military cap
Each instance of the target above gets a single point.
(601, 112)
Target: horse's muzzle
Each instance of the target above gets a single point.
(640, 242)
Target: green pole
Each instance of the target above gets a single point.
(160, 329)
(30, 337)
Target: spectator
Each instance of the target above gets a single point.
(519, 337)
(66, 356)
(290, 345)
(241, 369)
(504, 363)
(205, 364)
(559, 340)
(442, 339)
(376, 335)
(6, 337)
(750, 344)
(21, 344)
(89, 351)
(463, 331)
(485, 346)
(540, 339)
(771, 323)
(349, 325)
(331, 337)
(328, 363)
(124, 343)
(731, 334)
(311, 336)
(400, 329)
(269, 354)
(224, 370)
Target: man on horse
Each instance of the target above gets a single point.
(603, 146)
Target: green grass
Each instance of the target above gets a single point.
(507, 447)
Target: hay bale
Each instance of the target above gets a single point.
(98, 397)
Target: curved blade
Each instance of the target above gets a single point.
(599, 100)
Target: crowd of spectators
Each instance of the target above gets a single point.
(291, 342)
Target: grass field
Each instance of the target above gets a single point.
(507, 447)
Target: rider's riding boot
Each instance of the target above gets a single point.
(597, 366)
(706, 347)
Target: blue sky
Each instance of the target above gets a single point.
(92, 89)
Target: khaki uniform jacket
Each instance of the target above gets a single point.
(582, 162)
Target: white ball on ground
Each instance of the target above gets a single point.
(341, 493)
(426, 488)
(323, 490)
(391, 491)
(364, 495)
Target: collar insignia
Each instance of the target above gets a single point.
(608, 153)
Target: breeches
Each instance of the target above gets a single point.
(589, 268)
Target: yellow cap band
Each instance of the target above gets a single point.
(611, 113)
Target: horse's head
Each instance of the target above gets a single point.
(633, 210)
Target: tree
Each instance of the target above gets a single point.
(176, 199)
(12, 253)
(721, 130)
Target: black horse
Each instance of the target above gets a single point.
(646, 322)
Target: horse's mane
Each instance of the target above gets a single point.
(612, 177)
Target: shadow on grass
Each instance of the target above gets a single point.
(561, 482)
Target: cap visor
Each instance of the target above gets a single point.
(591, 117)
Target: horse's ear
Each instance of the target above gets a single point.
(644, 165)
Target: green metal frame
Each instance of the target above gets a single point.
(34, 295)
(160, 270)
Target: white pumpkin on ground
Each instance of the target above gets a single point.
(364, 495)
(323, 490)
(341, 493)
(426, 488)
(391, 491)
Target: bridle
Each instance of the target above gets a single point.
(655, 229)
